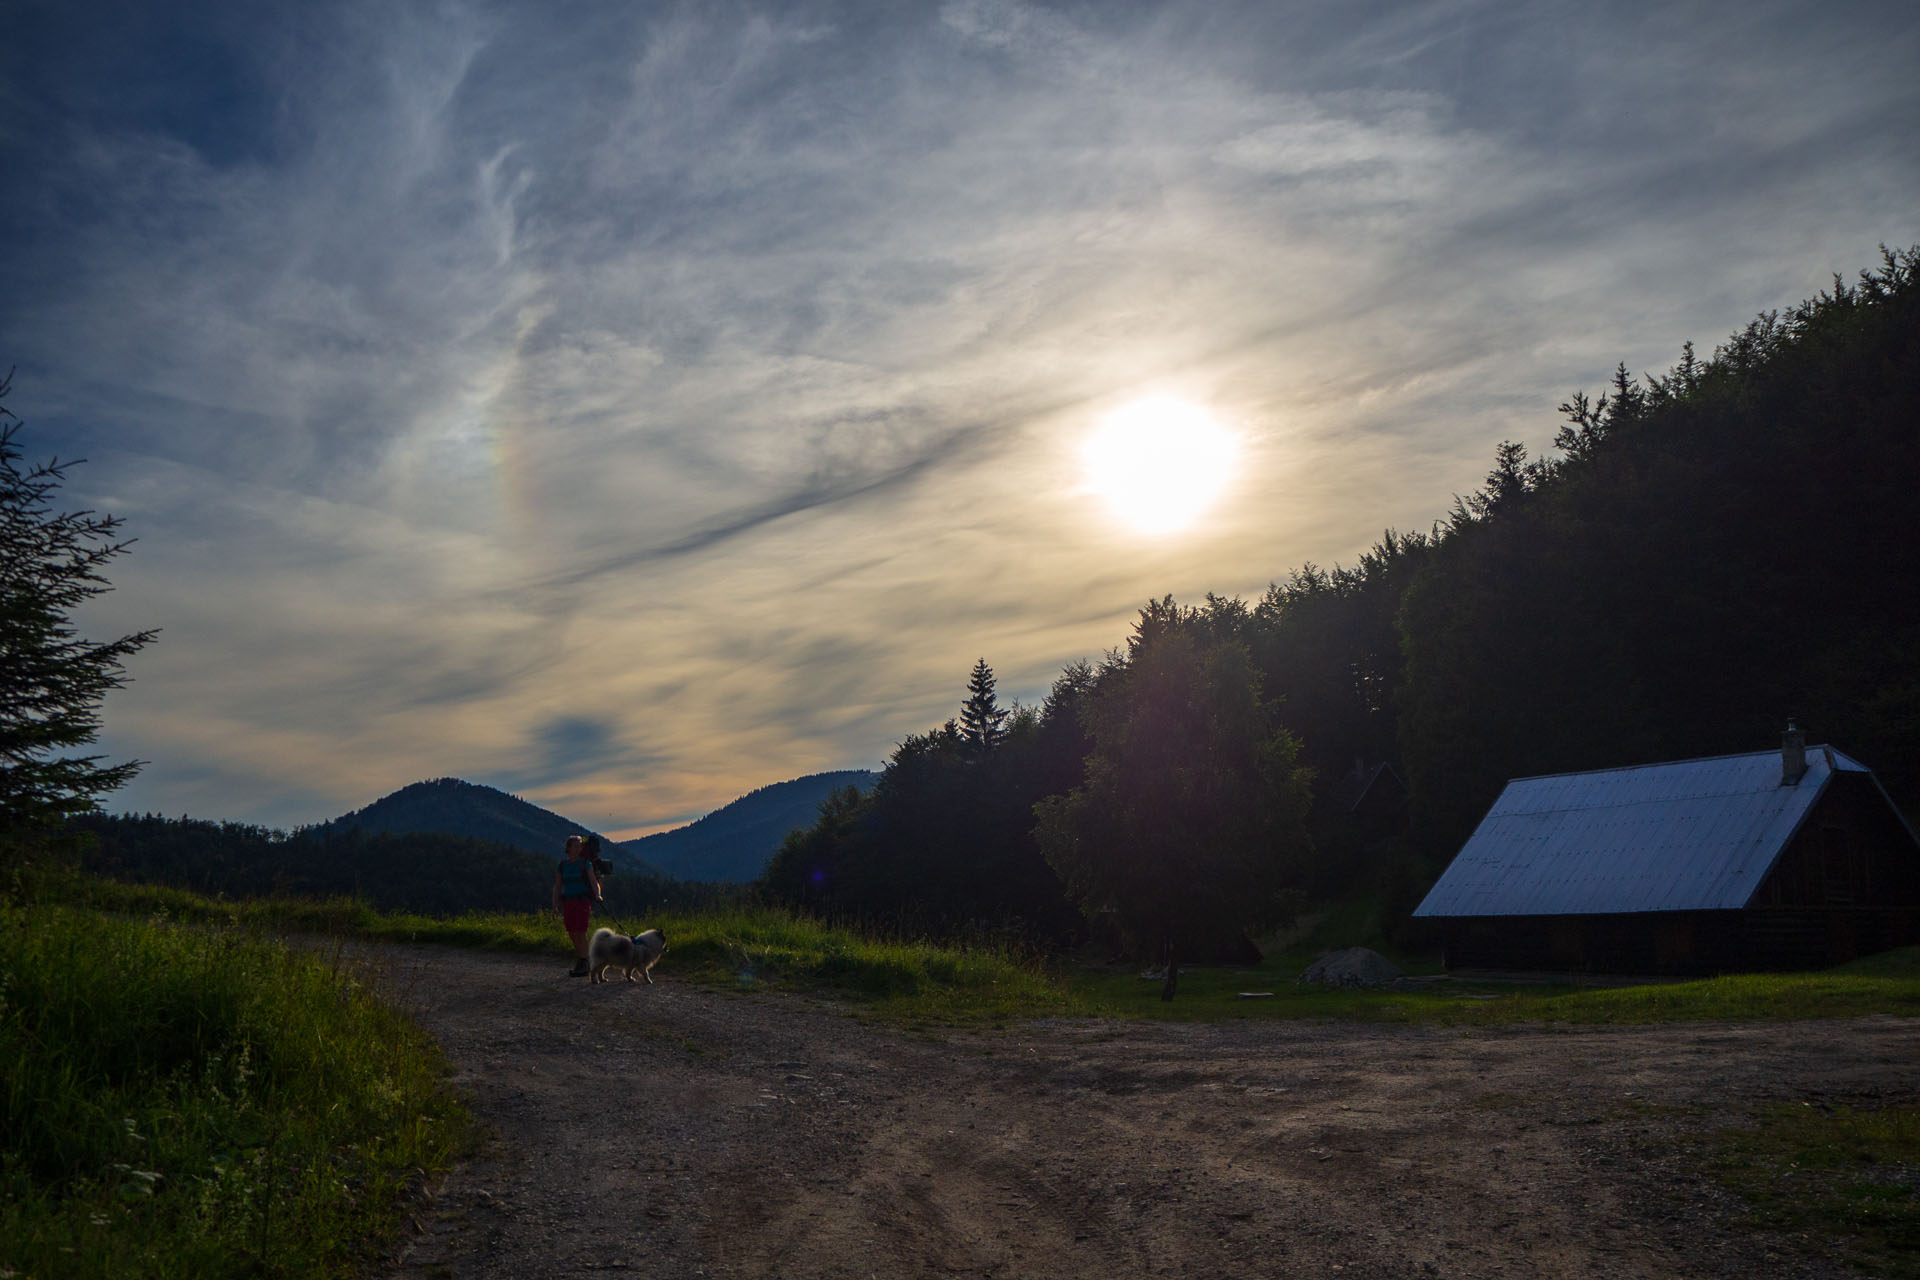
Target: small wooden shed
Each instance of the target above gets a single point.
(1790, 859)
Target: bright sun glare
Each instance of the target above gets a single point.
(1159, 463)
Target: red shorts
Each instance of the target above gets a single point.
(574, 913)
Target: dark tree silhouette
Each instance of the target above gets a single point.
(1191, 822)
(982, 721)
(1715, 549)
(51, 680)
(944, 841)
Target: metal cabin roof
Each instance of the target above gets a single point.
(1693, 835)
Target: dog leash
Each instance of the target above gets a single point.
(618, 927)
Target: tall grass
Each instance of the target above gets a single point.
(912, 981)
(188, 1100)
(906, 980)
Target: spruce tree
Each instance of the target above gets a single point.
(51, 680)
(982, 721)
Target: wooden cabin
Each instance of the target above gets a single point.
(1789, 859)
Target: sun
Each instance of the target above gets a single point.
(1159, 463)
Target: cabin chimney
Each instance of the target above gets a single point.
(1793, 755)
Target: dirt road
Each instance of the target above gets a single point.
(673, 1131)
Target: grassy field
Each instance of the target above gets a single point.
(194, 1100)
(918, 983)
(908, 981)
(1884, 984)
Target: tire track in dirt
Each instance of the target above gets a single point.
(676, 1131)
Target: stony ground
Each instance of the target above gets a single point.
(675, 1131)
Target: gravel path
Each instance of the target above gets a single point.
(674, 1131)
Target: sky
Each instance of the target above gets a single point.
(628, 405)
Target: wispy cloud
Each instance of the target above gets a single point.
(636, 405)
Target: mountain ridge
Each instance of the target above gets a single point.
(456, 807)
(731, 844)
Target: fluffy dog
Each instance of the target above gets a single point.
(638, 954)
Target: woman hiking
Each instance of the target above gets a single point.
(576, 887)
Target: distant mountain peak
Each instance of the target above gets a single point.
(454, 806)
(736, 841)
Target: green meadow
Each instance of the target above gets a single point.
(198, 1100)
(918, 983)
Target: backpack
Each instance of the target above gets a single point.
(573, 879)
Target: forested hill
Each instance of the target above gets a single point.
(734, 843)
(1712, 551)
(431, 873)
(424, 871)
(450, 806)
(448, 846)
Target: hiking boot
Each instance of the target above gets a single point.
(579, 969)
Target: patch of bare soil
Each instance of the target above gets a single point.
(674, 1131)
